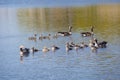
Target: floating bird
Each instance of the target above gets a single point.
(45, 49)
(92, 46)
(86, 34)
(100, 44)
(68, 48)
(66, 33)
(34, 49)
(23, 49)
(33, 37)
(54, 48)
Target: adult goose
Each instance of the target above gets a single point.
(66, 33)
(102, 44)
(45, 49)
(54, 48)
(24, 51)
(86, 34)
(68, 48)
(34, 50)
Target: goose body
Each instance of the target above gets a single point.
(68, 48)
(86, 34)
(24, 51)
(45, 49)
(102, 44)
(66, 33)
(33, 37)
(34, 49)
(54, 48)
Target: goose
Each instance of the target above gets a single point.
(33, 37)
(71, 44)
(68, 48)
(92, 46)
(86, 34)
(100, 44)
(46, 37)
(45, 49)
(23, 49)
(66, 33)
(34, 49)
(54, 48)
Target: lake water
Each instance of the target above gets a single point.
(17, 24)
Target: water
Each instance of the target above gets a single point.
(17, 24)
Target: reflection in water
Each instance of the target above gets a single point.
(105, 18)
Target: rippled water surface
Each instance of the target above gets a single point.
(17, 24)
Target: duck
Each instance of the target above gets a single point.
(68, 48)
(86, 34)
(54, 48)
(45, 49)
(24, 50)
(66, 33)
(102, 44)
(33, 37)
(45, 37)
(92, 46)
(71, 44)
(34, 49)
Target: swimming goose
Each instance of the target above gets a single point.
(68, 48)
(34, 49)
(92, 46)
(86, 34)
(33, 37)
(66, 33)
(23, 49)
(47, 37)
(100, 44)
(45, 49)
(54, 48)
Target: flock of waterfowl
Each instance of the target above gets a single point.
(94, 44)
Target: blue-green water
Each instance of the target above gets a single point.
(17, 24)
